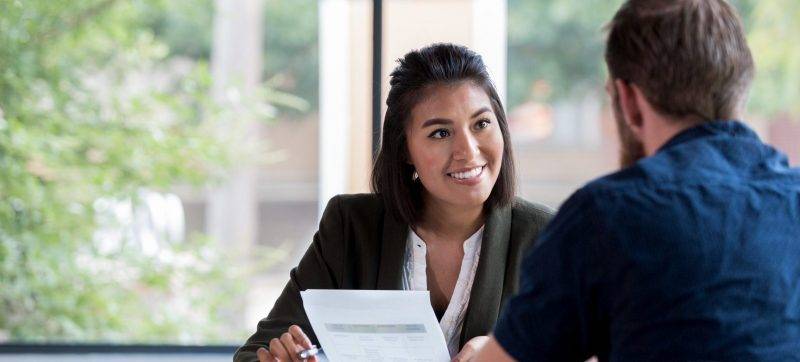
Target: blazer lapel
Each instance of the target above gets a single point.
(393, 249)
(487, 287)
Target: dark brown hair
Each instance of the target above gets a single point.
(689, 57)
(437, 64)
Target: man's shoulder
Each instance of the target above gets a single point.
(625, 180)
(613, 196)
(662, 170)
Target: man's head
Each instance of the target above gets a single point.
(678, 61)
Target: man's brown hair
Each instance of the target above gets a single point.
(689, 57)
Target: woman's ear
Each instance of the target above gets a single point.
(629, 102)
(405, 157)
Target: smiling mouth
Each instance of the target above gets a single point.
(469, 174)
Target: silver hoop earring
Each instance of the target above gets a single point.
(415, 176)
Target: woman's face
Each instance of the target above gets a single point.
(455, 144)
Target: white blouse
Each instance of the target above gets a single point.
(415, 278)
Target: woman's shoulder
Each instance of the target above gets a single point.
(355, 206)
(528, 220)
(523, 210)
(352, 228)
(366, 201)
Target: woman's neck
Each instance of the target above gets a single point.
(450, 222)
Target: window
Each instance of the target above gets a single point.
(558, 111)
(160, 166)
(163, 163)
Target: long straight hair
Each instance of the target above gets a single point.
(437, 64)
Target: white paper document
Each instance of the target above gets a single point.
(375, 325)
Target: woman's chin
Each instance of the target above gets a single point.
(469, 200)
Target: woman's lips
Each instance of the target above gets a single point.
(467, 177)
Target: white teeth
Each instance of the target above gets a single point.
(467, 174)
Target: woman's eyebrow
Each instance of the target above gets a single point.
(481, 111)
(436, 121)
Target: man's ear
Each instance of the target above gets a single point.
(629, 103)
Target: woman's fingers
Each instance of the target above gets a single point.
(278, 350)
(300, 337)
(464, 355)
(291, 346)
(470, 349)
(288, 346)
(264, 355)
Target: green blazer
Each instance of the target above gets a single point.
(360, 245)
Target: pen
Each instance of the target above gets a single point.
(308, 353)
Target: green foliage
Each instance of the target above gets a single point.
(92, 108)
(291, 56)
(291, 59)
(555, 48)
(773, 35)
(184, 26)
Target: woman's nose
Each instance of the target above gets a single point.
(465, 147)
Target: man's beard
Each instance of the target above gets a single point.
(631, 149)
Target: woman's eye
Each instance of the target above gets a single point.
(482, 124)
(439, 133)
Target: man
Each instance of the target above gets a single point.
(692, 251)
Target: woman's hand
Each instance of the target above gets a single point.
(470, 349)
(287, 347)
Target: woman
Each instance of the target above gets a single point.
(443, 216)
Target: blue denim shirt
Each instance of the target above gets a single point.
(690, 254)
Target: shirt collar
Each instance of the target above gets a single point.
(469, 245)
(730, 128)
(472, 243)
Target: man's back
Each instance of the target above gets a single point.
(691, 254)
(708, 241)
